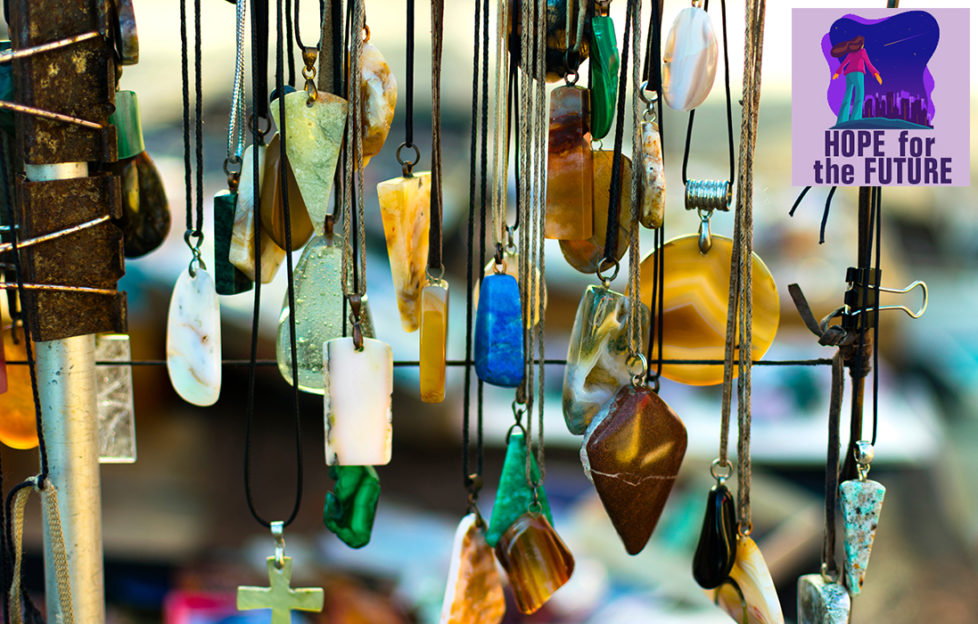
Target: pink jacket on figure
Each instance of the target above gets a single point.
(857, 61)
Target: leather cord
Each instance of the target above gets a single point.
(434, 229)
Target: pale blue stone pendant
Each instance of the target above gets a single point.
(861, 502)
(499, 332)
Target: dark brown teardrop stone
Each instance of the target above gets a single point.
(717, 548)
(145, 209)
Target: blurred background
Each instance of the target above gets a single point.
(177, 529)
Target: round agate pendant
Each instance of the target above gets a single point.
(694, 307)
(689, 61)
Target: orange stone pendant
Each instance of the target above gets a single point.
(272, 215)
(536, 560)
(434, 336)
(569, 168)
(17, 425)
(474, 593)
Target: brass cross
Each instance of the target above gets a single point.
(279, 596)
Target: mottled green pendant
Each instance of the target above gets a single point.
(352, 505)
(604, 75)
(227, 278)
(861, 501)
(515, 496)
(128, 128)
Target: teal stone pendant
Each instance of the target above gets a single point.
(604, 75)
(128, 127)
(227, 278)
(515, 496)
(352, 505)
(861, 500)
(499, 332)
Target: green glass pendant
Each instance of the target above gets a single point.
(352, 505)
(604, 75)
(515, 496)
(6, 90)
(128, 128)
(227, 278)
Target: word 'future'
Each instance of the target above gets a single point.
(915, 163)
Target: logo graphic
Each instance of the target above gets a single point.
(880, 97)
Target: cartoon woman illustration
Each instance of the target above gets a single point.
(854, 66)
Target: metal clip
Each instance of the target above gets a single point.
(852, 309)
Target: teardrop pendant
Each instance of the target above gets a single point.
(404, 211)
(193, 339)
(18, 427)
(717, 548)
(378, 90)
(474, 592)
(689, 60)
(748, 595)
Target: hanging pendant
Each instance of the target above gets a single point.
(378, 95)
(404, 210)
(474, 592)
(597, 355)
(749, 590)
(862, 501)
(586, 255)
(228, 279)
(689, 60)
(319, 306)
(128, 126)
(694, 318)
(560, 61)
(351, 507)
(271, 212)
(717, 547)
(653, 177)
(433, 342)
(822, 601)
(113, 389)
(511, 266)
(632, 453)
(514, 495)
(279, 597)
(193, 339)
(536, 560)
(569, 166)
(241, 252)
(604, 75)
(499, 332)
(3, 372)
(18, 426)
(357, 402)
(314, 132)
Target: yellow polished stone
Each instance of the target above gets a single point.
(434, 336)
(272, 213)
(378, 95)
(511, 266)
(750, 589)
(694, 316)
(474, 592)
(242, 250)
(17, 420)
(569, 167)
(404, 211)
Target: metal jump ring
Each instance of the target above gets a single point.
(417, 154)
(607, 280)
(645, 98)
(638, 375)
(432, 280)
(716, 469)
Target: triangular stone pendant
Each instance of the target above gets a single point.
(862, 501)
(474, 593)
(515, 496)
(314, 133)
(404, 210)
(750, 589)
(821, 601)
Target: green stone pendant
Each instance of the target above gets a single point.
(515, 496)
(352, 505)
(604, 75)
(128, 128)
(6, 91)
(227, 278)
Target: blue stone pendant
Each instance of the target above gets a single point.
(499, 332)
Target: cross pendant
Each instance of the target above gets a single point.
(279, 596)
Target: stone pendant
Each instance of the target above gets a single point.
(241, 253)
(434, 339)
(474, 592)
(113, 389)
(511, 266)
(569, 167)
(351, 507)
(536, 560)
(128, 126)
(604, 75)
(515, 495)
(228, 278)
(193, 339)
(653, 177)
(689, 60)
(319, 307)
(632, 453)
(271, 212)
(18, 427)
(861, 501)
(314, 136)
(821, 601)
(717, 547)
(378, 95)
(596, 355)
(404, 211)
(499, 332)
(145, 209)
(357, 402)
(586, 255)
(3, 369)
(748, 595)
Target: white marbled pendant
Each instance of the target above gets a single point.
(193, 339)
(750, 588)
(689, 61)
(242, 250)
(357, 402)
(653, 177)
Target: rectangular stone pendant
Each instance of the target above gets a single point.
(228, 279)
(113, 389)
(434, 335)
(569, 168)
(404, 210)
(499, 332)
(821, 602)
(653, 177)
(241, 252)
(357, 402)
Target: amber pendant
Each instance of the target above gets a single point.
(434, 339)
(404, 211)
(241, 252)
(474, 592)
(536, 560)
(569, 166)
(145, 208)
(378, 95)
(511, 266)
(17, 419)
(717, 548)
(653, 177)
(586, 255)
(632, 453)
(272, 210)
(748, 595)
(821, 601)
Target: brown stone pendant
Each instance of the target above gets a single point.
(474, 593)
(632, 453)
(569, 167)
(272, 215)
(536, 560)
